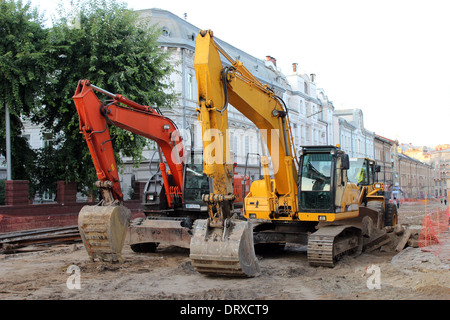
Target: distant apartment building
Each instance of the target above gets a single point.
(385, 154)
(440, 159)
(350, 133)
(416, 179)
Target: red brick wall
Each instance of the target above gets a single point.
(66, 192)
(16, 192)
(18, 214)
(36, 216)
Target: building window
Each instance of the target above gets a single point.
(302, 133)
(47, 139)
(165, 32)
(296, 137)
(231, 144)
(247, 145)
(190, 91)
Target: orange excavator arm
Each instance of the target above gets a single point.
(103, 227)
(95, 117)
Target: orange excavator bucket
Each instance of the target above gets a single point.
(103, 230)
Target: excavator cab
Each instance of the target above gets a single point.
(327, 197)
(195, 183)
(325, 194)
(316, 178)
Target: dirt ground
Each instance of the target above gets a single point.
(50, 274)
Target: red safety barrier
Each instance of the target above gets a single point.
(433, 225)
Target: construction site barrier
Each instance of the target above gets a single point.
(433, 225)
(415, 201)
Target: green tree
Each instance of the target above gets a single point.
(23, 68)
(103, 41)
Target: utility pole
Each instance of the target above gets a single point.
(8, 144)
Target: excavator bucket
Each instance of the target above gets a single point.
(103, 230)
(225, 251)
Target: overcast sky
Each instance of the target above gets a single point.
(389, 58)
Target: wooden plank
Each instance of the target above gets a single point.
(404, 240)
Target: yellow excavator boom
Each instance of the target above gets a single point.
(221, 244)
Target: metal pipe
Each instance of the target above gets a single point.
(286, 142)
(8, 144)
(109, 94)
(228, 56)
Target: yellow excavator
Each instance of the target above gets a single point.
(309, 200)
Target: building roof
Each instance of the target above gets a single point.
(405, 157)
(178, 32)
(353, 118)
(386, 140)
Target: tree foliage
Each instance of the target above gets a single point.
(23, 62)
(23, 67)
(108, 46)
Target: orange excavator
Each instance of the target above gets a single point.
(103, 227)
(172, 198)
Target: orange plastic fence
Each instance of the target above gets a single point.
(433, 225)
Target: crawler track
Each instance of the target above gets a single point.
(330, 243)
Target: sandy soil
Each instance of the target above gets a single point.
(168, 274)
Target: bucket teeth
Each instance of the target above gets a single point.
(225, 252)
(103, 230)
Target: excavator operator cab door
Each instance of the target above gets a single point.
(195, 183)
(317, 178)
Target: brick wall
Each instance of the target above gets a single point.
(18, 214)
(17, 192)
(66, 193)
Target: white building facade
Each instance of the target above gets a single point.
(313, 118)
(350, 133)
(310, 111)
